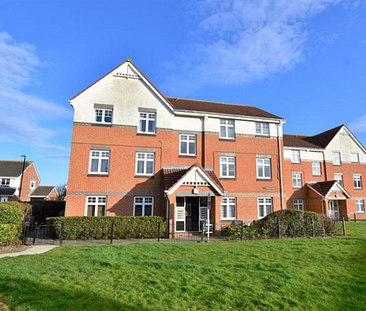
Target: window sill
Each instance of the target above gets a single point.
(97, 175)
(228, 219)
(144, 176)
(264, 179)
(262, 135)
(145, 134)
(360, 212)
(228, 178)
(296, 187)
(357, 188)
(102, 124)
(187, 156)
(295, 162)
(337, 164)
(317, 175)
(227, 139)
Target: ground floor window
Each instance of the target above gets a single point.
(3, 199)
(264, 207)
(360, 206)
(228, 208)
(299, 205)
(96, 206)
(143, 206)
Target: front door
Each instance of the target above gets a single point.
(333, 209)
(192, 213)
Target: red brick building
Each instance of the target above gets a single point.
(136, 152)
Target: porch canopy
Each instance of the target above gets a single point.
(194, 176)
(329, 189)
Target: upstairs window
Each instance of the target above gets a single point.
(32, 184)
(299, 205)
(295, 156)
(96, 206)
(143, 206)
(360, 206)
(5, 182)
(357, 181)
(227, 167)
(264, 207)
(296, 180)
(227, 129)
(145, 164)
(355, 158)
(316, 169)
(228, 208)
(187, 145)
(103, 115)
(262, 128)
(263, 168)
(147, 124)
(339, 177)
(99, 162)
(336, 157)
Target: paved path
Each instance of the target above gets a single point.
(38, 249)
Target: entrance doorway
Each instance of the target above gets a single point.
(334, 209)
(189, 212)
(192, 213)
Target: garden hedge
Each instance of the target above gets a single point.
(293, 223)
(125, 227)
(11, 219)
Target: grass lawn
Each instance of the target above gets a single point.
(298, 274)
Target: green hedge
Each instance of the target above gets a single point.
(125, 227)
(293, 223)
(11, 219)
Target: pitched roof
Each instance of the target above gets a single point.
(216, 107)
(7, 191)
(323, 187)
(318, 141)
(41, 191)
(9, 168)
(301, 141)
(173, 175)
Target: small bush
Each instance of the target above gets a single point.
(11, 219)
(125, 227)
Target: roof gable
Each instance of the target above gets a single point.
(325, 188)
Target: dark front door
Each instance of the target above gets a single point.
(192, 214)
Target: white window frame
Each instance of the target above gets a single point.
(226, 203)
(295, 156)
(357, 181)
(147, 117)
(295, 180)
(103, 155)
(339, 180)
(355, 157)
(336, 158)
(224, 160)
(145, 159)
(227, 124)
(32, 184)
(4, 184)
(183, 210)
(260, 162)
(96, 203)
(260, 128)
(104, 116)
(187, 141)
(143, 204)
(299, 205)
(360, 206)
(266, 203)
(316, 168)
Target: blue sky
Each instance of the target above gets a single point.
(304, 60)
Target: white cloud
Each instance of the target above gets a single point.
(23, 113)
(359, 124)
(238, 42)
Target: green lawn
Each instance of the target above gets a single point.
(298, 274)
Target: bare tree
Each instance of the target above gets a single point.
(61, 192)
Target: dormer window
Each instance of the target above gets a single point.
(103, 115)
(147, 121)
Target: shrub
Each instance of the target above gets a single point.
(125, 227)
(293, 223)
(11, 219)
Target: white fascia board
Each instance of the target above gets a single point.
(188, 113)
(358, 143)
(343, 190)
(302, 148)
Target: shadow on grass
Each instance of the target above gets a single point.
(29, 295)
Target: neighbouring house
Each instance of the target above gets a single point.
(44, 193)
(18, 182)
(137, 152)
